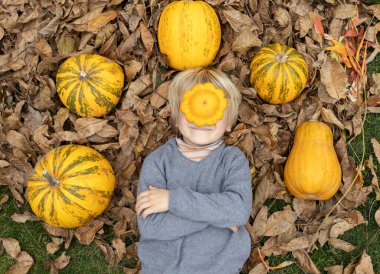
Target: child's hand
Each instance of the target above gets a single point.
(154, 200)
(233, 228)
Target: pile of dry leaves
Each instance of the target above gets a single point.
(337, 39)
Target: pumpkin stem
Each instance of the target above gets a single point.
(282, 58)
(50, 179)
(82, 75)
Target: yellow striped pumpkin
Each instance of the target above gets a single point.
(189, 34)
(90, 85)
(312, 170)
(71, 185)
(278, 73)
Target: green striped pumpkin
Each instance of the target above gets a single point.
(71, 185)
(90, 85)
(278, 73)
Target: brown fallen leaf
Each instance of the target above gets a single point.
(86, 127)
(11, 246)
(345, 11)
(334, 78)
(364, 266)
(305, 262)
(376, 148)
(334, 269)
(101, 20)
(26, 216)
(147, 38)
(259, 224)
(62, 261)
(377, 217)
(86, 233)
(23, 265)
(4, 199)
(280, 222)
(305, 209)
(340, 244)
(52, 247)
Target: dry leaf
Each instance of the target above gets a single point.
(280, 222)
(86, 127)
(26, 216)
(329, 117)
(376, 148)
(11, 246)
(335, 269)
(52, 247)
(260, 222)
(305, 262)
(333, 77)
(364, 265)
(23, 265)
(146, 37)
(345, 11)
(377, 217)
(86, 233)
(101, 20)
(62, 261)
(4, 200)
(340, 244)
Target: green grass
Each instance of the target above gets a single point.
(33, 239)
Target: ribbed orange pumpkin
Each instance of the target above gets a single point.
(189, 34)
(90, 85)
(278, 73)
(312, 170)
(71, 185)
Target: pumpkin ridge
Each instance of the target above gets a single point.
(33, 193)
(84, 106)
(64, 155)
(71, 99)
(103, 193)
(271, 87)
(101, 84)
(77, 61)
(41, 205)
(56, 154)
(80, 160)
(67, 194)
(88, 171)
(296, 80)
(101, 99)
(61, 86)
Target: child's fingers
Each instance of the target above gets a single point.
(143, 194)
(142, 206)
(147, 212)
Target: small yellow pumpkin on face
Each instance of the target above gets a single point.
(312, 170)
(204, 104)
(90, 85)
(71, 185)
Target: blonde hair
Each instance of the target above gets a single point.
(186, 80)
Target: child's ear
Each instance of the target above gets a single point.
(228, 129)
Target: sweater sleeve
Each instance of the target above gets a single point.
(231, 207)
(164, 225)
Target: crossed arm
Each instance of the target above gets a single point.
(184, 211)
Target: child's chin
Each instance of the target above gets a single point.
(201, 141)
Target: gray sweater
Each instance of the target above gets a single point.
(206, 198)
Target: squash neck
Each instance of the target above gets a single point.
(52, 181)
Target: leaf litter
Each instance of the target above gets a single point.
(36, 37)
